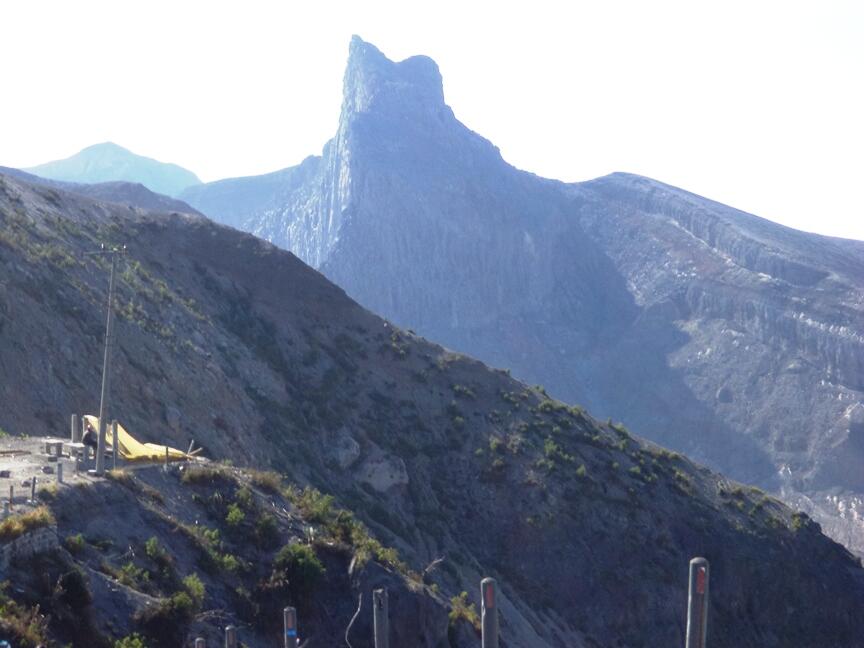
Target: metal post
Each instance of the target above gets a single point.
(230, 637)
(11, 496)
(489, 606)
(106, 372)
(59, 473)
(166, 459)
(75, 437)
(381, 617)
(114, 444)
(33, 490)
(289, 619)
(199, 643)
(697, 604)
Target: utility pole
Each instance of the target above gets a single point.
(106, 364)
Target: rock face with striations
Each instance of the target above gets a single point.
(707, 329)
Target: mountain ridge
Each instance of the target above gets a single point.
(224, 338)
(581, 286)
(109, 162)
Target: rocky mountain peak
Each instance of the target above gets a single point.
(373, 82)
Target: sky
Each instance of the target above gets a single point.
(757, 104)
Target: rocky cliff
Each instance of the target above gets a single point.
(716, 332)
(225, 339)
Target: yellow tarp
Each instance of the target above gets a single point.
(133, 450)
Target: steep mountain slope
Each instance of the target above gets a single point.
(108, 162)
(713, 331)
(122, 193)
(228, 340)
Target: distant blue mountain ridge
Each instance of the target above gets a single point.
(108, 162)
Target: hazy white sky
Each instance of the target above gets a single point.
(758, 104)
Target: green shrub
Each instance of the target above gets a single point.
(244, 498)
(460, 608)
(235, 516)
(132, 641)
(167, 622)
(75, 544)
(266, 531)
(300, 566)
(195, 588)
(133, 576)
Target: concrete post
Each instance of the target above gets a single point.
(59, 473)
(33, 490)
(381, 612)
(75, 437)
(199, 643)
(230, 637)
(289, 619)
(489, 606)
(114, 444)
(697, 604)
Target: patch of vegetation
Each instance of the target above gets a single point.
(26, 626)
(461, 391)
(75, 544)
(133, 576)
(17, 525)
(207, 475)
(47, 493)
(267, 480)
(799, 521)
(266, 531)
(461, 609)
(195, 588)
(131, 641)
(342, 527)
(235, 516)
(299, 564)
(121, 476)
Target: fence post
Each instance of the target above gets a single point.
(230, 637)
(289, 621)
(199, 643)
(33, 490)
(697, 604)
(59, 473)
(489, 606)
(11, 497)
(381, 616)
(5, 510)
(75, 437)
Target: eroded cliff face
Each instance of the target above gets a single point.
(713, 331)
